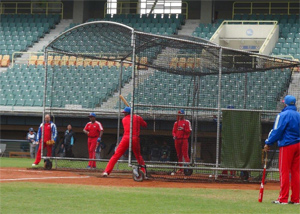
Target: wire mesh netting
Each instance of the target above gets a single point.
(90, 64)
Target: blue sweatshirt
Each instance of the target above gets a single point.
(286, 128)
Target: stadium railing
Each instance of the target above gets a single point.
(35, 7)
(260, 7)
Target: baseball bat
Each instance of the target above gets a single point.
(261, 191)
(124, 101)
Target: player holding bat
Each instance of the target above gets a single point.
(286, 132)
(124, 144)
(181, 133)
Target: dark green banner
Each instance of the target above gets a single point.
(241, 140)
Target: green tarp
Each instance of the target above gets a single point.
(241, 140)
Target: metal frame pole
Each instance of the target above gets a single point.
(132, 96)
(245, 90)
(193, 121)
(219, 113)
(44, 101)
(119, 113)
(196, 120)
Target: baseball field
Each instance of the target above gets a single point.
(39, 191)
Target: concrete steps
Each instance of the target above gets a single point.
(112, 102)
(189, 27)
(294, 88)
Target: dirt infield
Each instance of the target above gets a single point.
(115, 179)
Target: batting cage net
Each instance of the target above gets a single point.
(226, 98)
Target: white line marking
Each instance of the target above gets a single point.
(44, 178)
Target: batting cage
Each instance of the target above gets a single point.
(224, 99)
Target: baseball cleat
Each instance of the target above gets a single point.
(278, 202)
(88, 167)
(105, 174)
(34, 165)
(295, 203)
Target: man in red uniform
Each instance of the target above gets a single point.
(124, 144)
(94, 131)
(50, 133)
(286, 132)
(181, 133)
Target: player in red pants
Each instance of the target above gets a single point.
(50, 133)
(181, 133)
(94, 131)
(124, 144)
(286, 131)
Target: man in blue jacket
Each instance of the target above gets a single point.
(286, 132)
(50, 135)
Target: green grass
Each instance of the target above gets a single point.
(57, 198)
(22, 197)
(16, 162)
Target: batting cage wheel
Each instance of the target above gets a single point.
(137, 174)
(47, 165)
(188, 172)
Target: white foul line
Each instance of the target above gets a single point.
(43, 178)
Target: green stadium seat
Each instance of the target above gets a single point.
(292, 51)
(202, 35)
(295, 45)
(195, 34)
(290, 40)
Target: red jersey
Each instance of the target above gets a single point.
(47, 132)
(94, 129)
(182, 129)
(137, 123)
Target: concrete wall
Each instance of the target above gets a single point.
(270, 42)
(244, 37)
(246, 31)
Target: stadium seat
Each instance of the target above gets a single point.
(5, 61)
(50, 60)
(295, 45)
(33, 60)
(72, 61)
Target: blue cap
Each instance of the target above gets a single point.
(181, 111)
(290, 100)
(230, 106)
(127, 110)
(92, 114)
(31, 129)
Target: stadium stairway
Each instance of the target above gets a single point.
(112, 102)
(189, 27)
(38, 47)
(294, 86)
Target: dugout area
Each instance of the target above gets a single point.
(206, 80)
